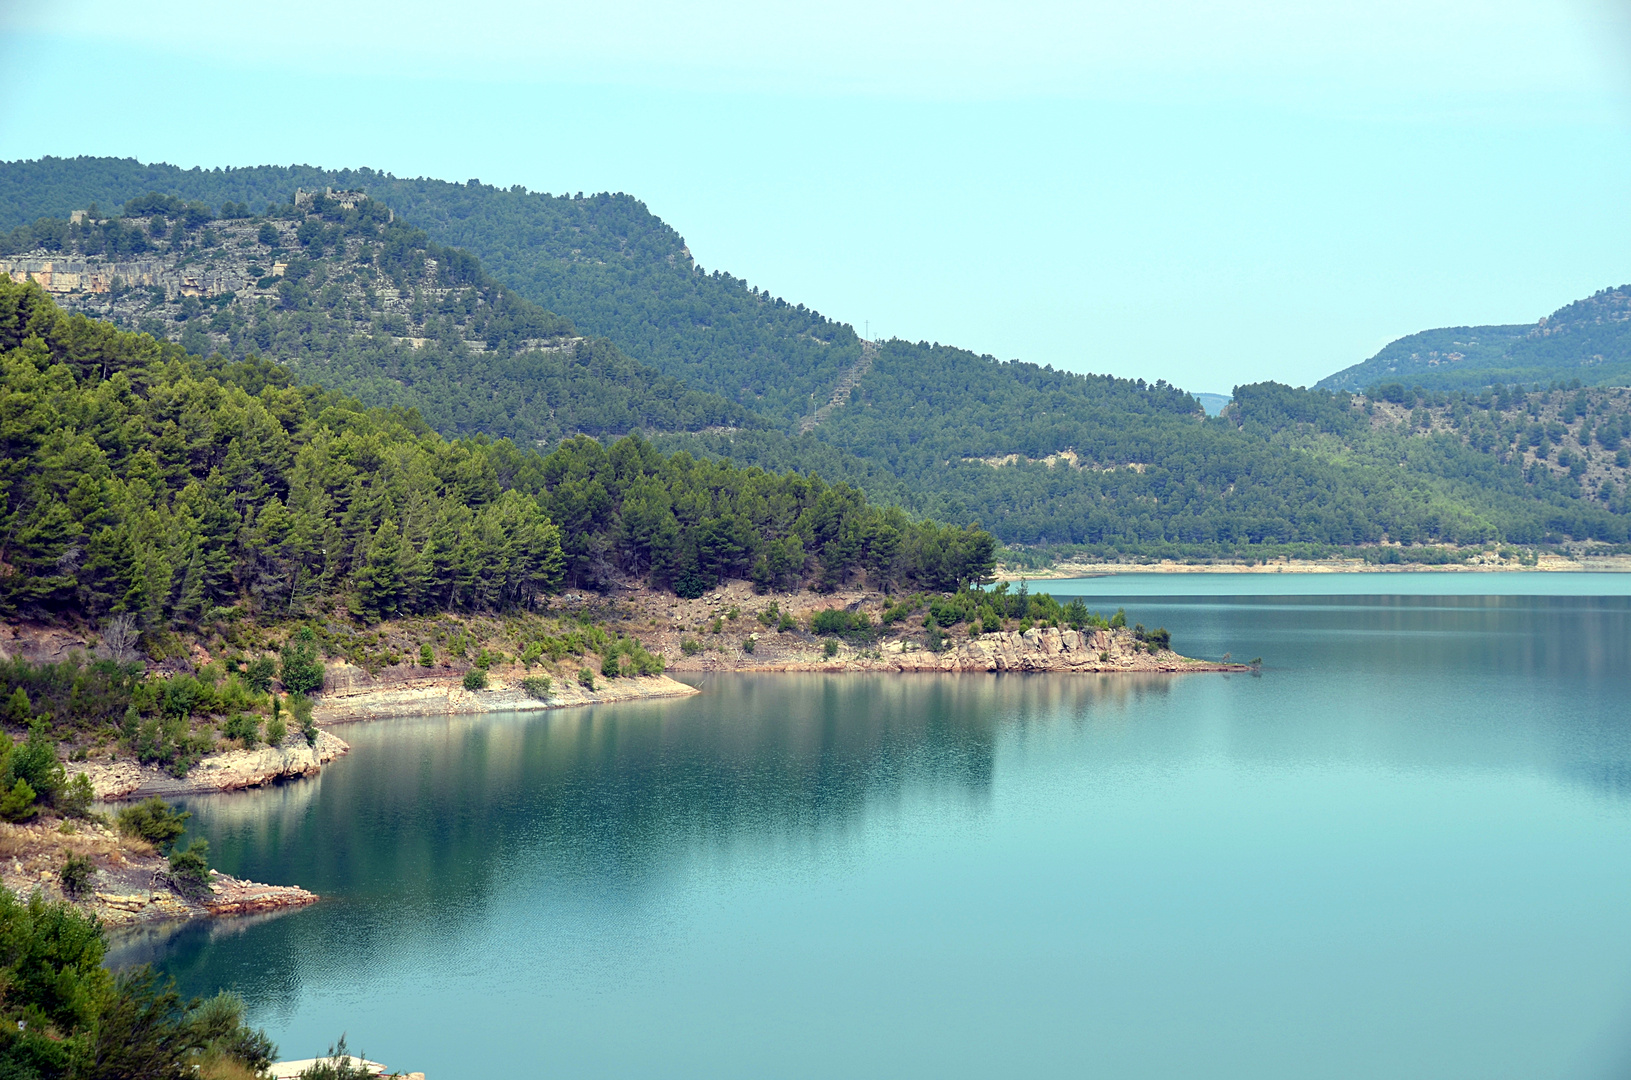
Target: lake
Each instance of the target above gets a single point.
(1403, 849)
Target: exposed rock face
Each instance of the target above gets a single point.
(226, 771)
(352, 694)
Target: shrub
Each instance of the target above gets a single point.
(243, 728)
(829, 648)
(339, 1065)
(586, 678)
(530, 655)
(258, 674)
(302, 671)
(36, 762)
(155, 821)
(76, 875)
(786, 623)
(301, 705)
(18, 803)
(894, 613)
(190, 869)
(537, 686)
(839, 621)
(748, 645)
(609, 666)
(427, 655)
(75, 799)
(475, 679)
(277, 729)
(690, 646)
(218, 1026)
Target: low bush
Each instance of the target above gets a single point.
(258, 674)
(690, 646)
(829, 648)
(839, 621)
(190, 869)
(748, 645)
(301, 705)
(243, 728)
(155, 821)
(586, 678)
(537, 686)
(475, 679)
(75, 876)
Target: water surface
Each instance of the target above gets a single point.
(1404, 850)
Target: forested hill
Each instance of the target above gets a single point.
(605, 262)
(1588, 340)
(1035, 455)
(136, 478)
(348, 295)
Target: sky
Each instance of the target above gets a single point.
(1209, 193)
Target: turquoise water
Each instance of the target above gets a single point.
(1403, 850)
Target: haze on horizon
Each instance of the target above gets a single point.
(1207, 193)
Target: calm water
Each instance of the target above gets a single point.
(1404, 850)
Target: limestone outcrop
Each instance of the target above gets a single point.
(229, 770)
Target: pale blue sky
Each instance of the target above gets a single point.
(1209, 193)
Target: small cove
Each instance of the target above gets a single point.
(1404, 849)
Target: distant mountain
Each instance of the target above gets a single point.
(605, 262)
(1589, 340)
(350, 296)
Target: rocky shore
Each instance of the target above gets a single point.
(130, 882)
(1035, 650)
(722, 641)
(351, 694)
(228, 770)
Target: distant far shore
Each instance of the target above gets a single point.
(1551, 563)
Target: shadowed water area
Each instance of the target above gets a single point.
(1403, 850)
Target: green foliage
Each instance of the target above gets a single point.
(155, 821)
(244, 728)
(17, 804)
(277, 729)
(690, 646)
(537, 686)
(1157, 639)
(66, 1017)
(609, 666)
(301, 670)
(190, 869)
(340, 1064)
(475, 679)
(829, 647)
(219, 1028)
(75, 800)
(748, 645)
(292, 498)
(258, 674)
(586, 678)
(79, 694)
(35, 764)
(76, 875)
(427, 655)
(301, 706)
(839, 621)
